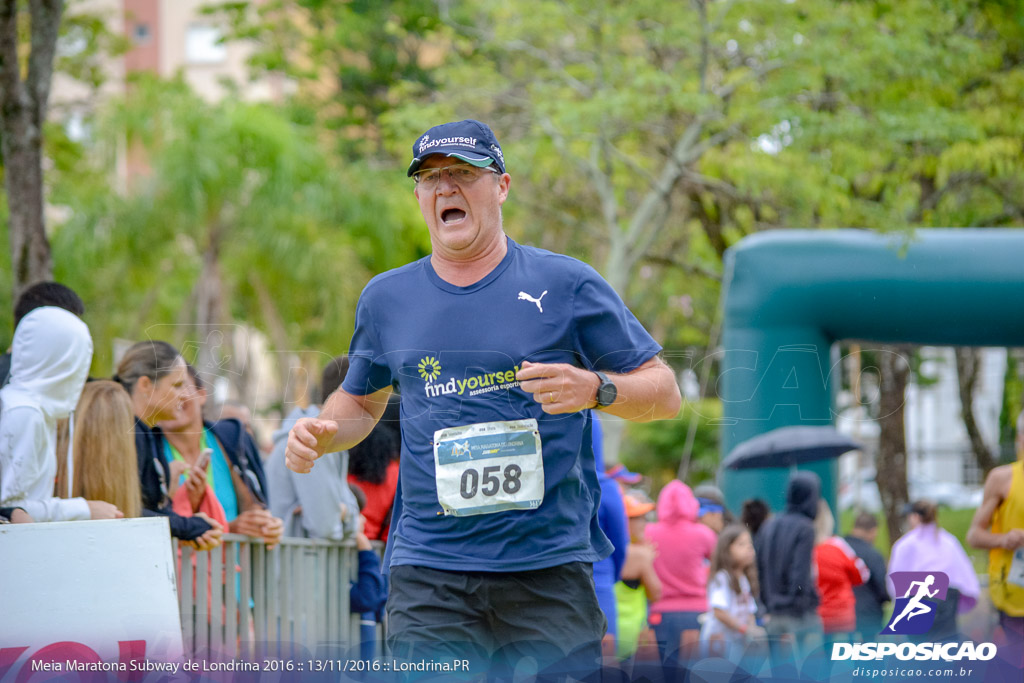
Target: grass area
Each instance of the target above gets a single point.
(955, 522)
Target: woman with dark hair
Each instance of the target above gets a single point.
(373, 467)
(154, 375)
(755, 512)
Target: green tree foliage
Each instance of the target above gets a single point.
(239, 206)
(352, 61)
(899, 115)
(655, 448)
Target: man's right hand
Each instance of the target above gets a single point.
(1013, 539)
(99, 509)
(308, 440)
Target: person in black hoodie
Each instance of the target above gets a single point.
(785, 558)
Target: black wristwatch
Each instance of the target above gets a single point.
(606, 391)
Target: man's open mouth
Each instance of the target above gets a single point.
(452, 215)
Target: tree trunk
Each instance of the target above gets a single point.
(286, 360)
(22, 113)
(891, 468)
(968, 363)
(214, 350)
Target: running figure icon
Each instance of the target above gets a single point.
(915, 607)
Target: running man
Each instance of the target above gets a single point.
(915, 607)
(492, 550)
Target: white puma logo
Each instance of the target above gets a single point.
(523, 296)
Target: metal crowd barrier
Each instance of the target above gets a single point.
(241, 601)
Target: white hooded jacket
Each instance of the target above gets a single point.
(51, 355)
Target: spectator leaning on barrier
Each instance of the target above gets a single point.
(154, 375)
(998, 525)
(50, 362)
(322, 506)
(503, 348)
(104, 465)
(233, 472)
(36, 296)
(15, 515)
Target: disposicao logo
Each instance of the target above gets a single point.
(914, 614)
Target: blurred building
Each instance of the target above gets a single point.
(938, 448)
(940, 462)
(169, 36)
(165, 37)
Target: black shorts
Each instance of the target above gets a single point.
(498, 619)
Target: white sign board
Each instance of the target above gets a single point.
(100, 591)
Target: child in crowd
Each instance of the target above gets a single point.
(730, 623)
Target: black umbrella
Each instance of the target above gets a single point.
(788, 447)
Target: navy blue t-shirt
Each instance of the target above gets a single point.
(453, 352)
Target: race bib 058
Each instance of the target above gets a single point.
(489, 467)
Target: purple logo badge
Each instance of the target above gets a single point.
(917, 596)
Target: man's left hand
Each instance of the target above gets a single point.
(559, 387)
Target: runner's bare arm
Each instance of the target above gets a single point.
(997, 485)
(344, 421)
(648, 393)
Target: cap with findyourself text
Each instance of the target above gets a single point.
(469, 140)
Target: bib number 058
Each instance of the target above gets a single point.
(489, 467)
(510, 482)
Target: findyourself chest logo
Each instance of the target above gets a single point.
(914, 610)
(434, 385)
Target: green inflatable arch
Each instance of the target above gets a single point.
(790, 295)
